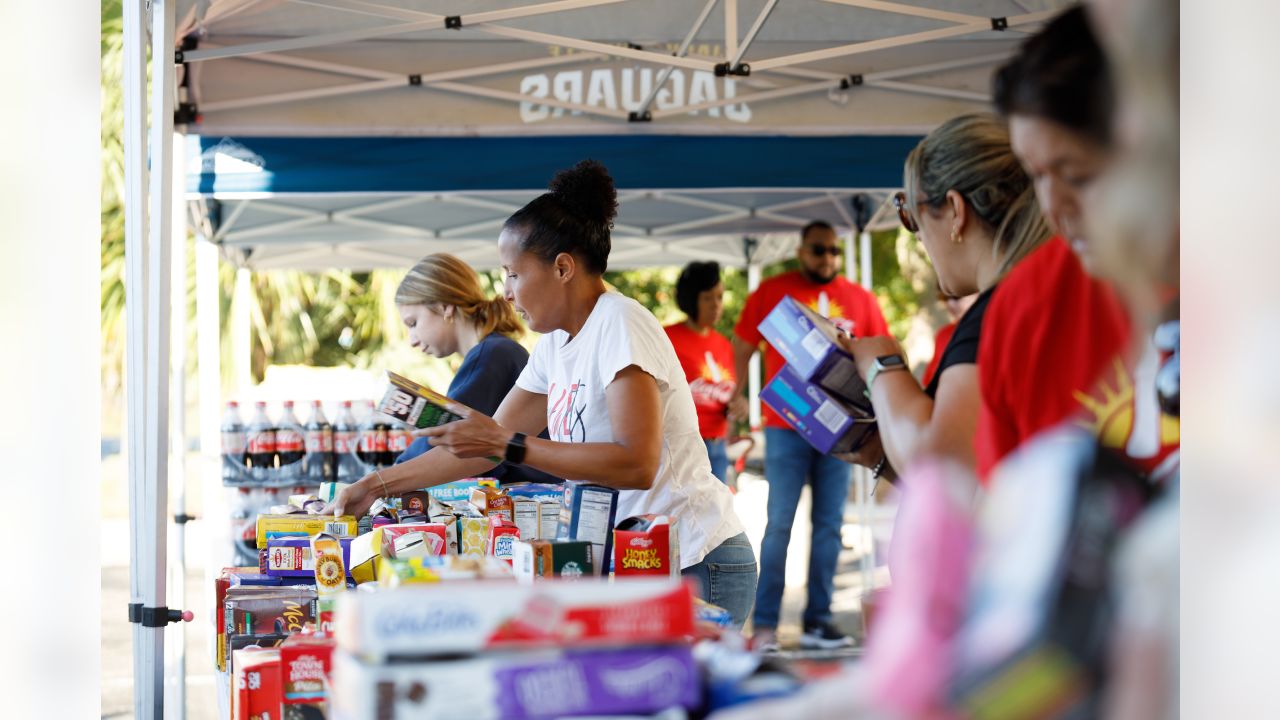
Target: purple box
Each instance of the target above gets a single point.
(826, 422)
(238, 579)
(291, 557)
(809, 343)
(542, 684)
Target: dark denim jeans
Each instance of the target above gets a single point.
(790, 462)
(718, 457)
(727, 577)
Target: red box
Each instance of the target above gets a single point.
(391, 533)
(646, 545)
(503, 535)
(257, 684)
(305, 663)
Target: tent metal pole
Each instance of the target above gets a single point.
(135, 223)
(900, 9)
(177, 676)
(753, 372)
(684, 50)
(208, 358)
(892, 42)
(745, 45)
(648, 56)
(300, 43)
(241, 344)
(864, 254)
(149, 693)
(730, 28)
(930, 91)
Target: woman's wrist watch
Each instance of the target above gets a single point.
(515, 449)
(884, 363)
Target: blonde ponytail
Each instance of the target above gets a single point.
(442, 279)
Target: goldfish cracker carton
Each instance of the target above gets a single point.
(303, 525)
(256, 691)
(502, 536)
(492, 502)
(646, 545)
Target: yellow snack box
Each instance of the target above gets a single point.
(300, 525)
(473, 536)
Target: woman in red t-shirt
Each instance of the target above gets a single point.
(956, 308)
(705, 355)
(973, 208)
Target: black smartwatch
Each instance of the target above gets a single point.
(516, 449)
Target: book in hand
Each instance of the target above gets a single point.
(415, 405)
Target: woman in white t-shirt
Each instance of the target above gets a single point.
(606, 385)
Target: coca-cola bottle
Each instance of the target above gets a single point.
(289, 444)
(344, 444)
(398, 439)
(261, 442)
(373, 438)
(233, 446)
(318, 435)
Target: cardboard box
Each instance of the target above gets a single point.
(545, 684)
(502, 536)
(588, 512)
(647, 545)
(256, 694)
(291, 557)
(473, 535)
(548, 519)
(826, 422)
(264, 611)
(305, 663)
(525, 515)
(302, 525)
(419, 543)
(568, 559)
(395, 572)
(418, 501)
(459, 489)
(255, 578)
(492, 502)
(809, 344)
(330, 490)
(471, 616)
(535, 491)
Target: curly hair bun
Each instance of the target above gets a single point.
(587, 191)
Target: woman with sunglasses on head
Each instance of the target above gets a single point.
(972, 206)
(604, 381)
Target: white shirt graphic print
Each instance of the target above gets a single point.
(574, 375)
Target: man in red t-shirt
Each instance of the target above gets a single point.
(706, 356)
(790, 461)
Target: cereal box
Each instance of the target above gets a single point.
(646, 545)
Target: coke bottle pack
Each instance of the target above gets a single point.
(284, 452)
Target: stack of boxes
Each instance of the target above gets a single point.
(818, 392)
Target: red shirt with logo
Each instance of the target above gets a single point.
(707, 360)
(1050, 333)
(848, 305)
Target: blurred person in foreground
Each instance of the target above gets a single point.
(937, 618)
(790, 462)
(1057, 95)
(706, 356)
(973, 208)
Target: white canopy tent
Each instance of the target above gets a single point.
(267, 91)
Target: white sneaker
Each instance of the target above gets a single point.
(765, 641)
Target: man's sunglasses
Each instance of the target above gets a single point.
(900, 204)
(833, 251)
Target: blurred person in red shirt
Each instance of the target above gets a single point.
(706, 356)
(1056, 94)
(956, 308)
(790, 462)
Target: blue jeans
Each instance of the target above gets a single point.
(790, 462)
(719, 459)
(727, 577)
